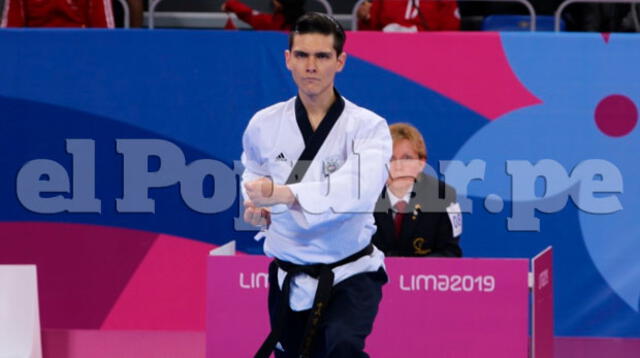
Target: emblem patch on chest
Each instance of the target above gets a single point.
(331, 164)
(418, 246)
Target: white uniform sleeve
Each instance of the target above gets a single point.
(254, 166)
(352, 189)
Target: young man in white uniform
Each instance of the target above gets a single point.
(314, 167)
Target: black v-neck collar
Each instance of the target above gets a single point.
(302, 118)
(313, 140)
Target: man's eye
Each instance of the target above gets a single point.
(300, 55)
(323, 56)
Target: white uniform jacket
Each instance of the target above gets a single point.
(337, 194)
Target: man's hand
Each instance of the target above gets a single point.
(256, 216)
(263, 192)
(260, 191)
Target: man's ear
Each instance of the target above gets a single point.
(342, 60)
(287, 58)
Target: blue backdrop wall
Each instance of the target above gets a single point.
(567, 99)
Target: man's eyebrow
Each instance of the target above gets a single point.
(323, 53)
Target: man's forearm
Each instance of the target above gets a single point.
(284, 195)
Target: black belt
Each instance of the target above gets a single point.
(324, 274)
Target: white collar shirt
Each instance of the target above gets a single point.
(394, 199)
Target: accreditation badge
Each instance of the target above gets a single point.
(455, 216)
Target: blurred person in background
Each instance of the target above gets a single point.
(284, 16)
(408, 15)
(602, 17)
(57, 13)
(136, 12)
(417, 214)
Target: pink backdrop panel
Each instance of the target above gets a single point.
(237, 317)
(431, 307)
(542, 313)
(453, 308)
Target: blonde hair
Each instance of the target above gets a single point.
(400, 131)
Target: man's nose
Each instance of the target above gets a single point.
(311, 64)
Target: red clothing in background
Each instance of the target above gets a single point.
(257, 20)
(57, 13)
(424, 15)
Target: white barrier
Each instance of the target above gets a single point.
(19, 313)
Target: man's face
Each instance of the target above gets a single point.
(405, 163)
(313, 62)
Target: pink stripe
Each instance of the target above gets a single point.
(71, 260)
(472, 70)
(108, 344)
(167, 290)
(597, 347)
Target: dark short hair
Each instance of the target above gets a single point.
(317, 23)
